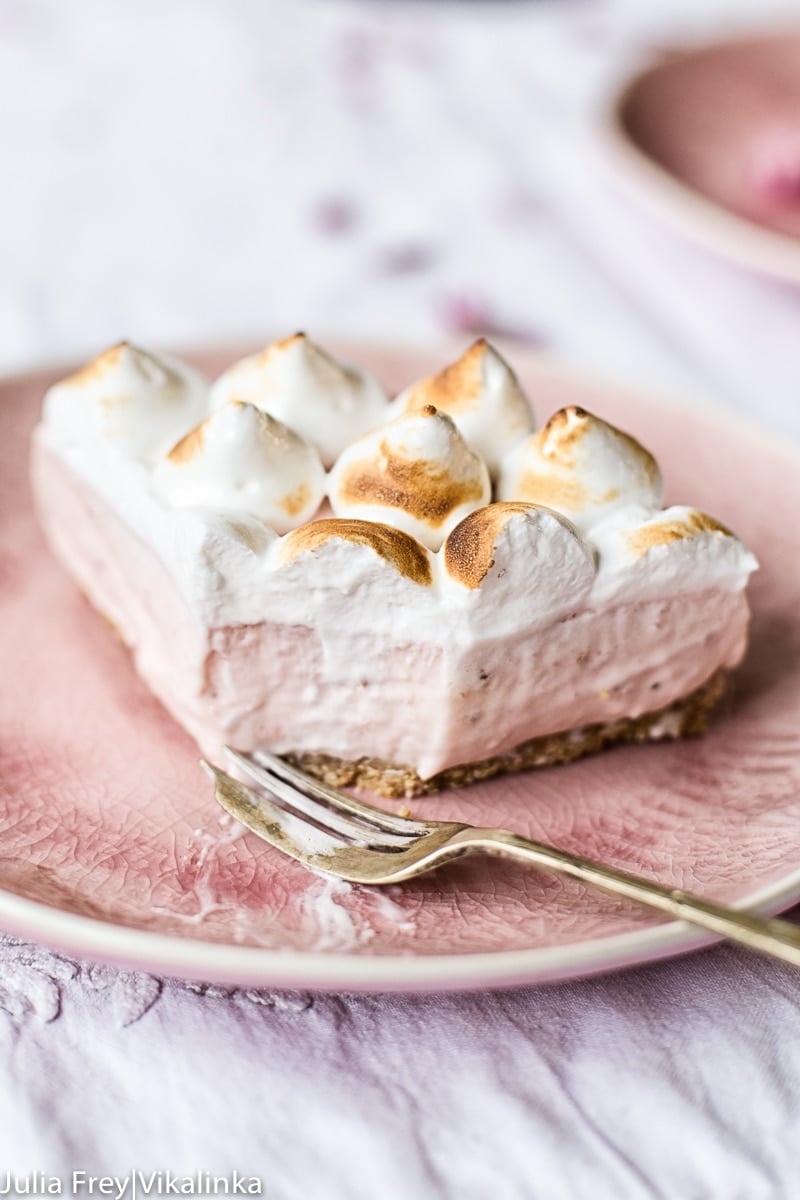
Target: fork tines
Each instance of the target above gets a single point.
(328, 810)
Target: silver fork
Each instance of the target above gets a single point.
(331, 832)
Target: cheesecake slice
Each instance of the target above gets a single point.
(401, 595)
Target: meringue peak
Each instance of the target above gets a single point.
(416, 473)
(573, 435)
(242, 460)
(482, 395)
(583, 467)
(105, 362)
(130, 398)
(300, 349)
(327, 402)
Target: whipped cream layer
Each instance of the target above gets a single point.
(259, 619)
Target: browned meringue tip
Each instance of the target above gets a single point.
(98, 366)
(193, 442)
(469, 548)
(562, 433)
(419, 487)
(190, 445)
(674, 529)
(278, 347)
(291, 340)
(456, 388)
(560, 438)
(399, 549)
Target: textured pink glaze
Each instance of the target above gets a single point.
(104, 811)
(271, 685)
(726, 120)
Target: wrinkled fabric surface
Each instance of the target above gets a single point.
(195, 172)
(671, 1080)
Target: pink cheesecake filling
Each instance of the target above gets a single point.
(424, 705)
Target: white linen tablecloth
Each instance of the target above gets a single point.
(189, 172)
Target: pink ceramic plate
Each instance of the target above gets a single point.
(113, 848)
(710, 139)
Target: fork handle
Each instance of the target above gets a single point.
(779, 939)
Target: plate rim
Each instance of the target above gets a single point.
(680, 206)
(197, 959)
(252, 966)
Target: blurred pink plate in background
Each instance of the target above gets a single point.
(113, 848)
(709, 139)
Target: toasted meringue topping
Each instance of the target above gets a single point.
(520, 558)
(468, 550)
(677, 550)
(327, 403)
(482, 395)
(578, 525)
(583, 467)
(403, 552)
(673, 525)
(137, 401)
(416, 473)
(242, 460)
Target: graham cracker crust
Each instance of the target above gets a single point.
(686, 717)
